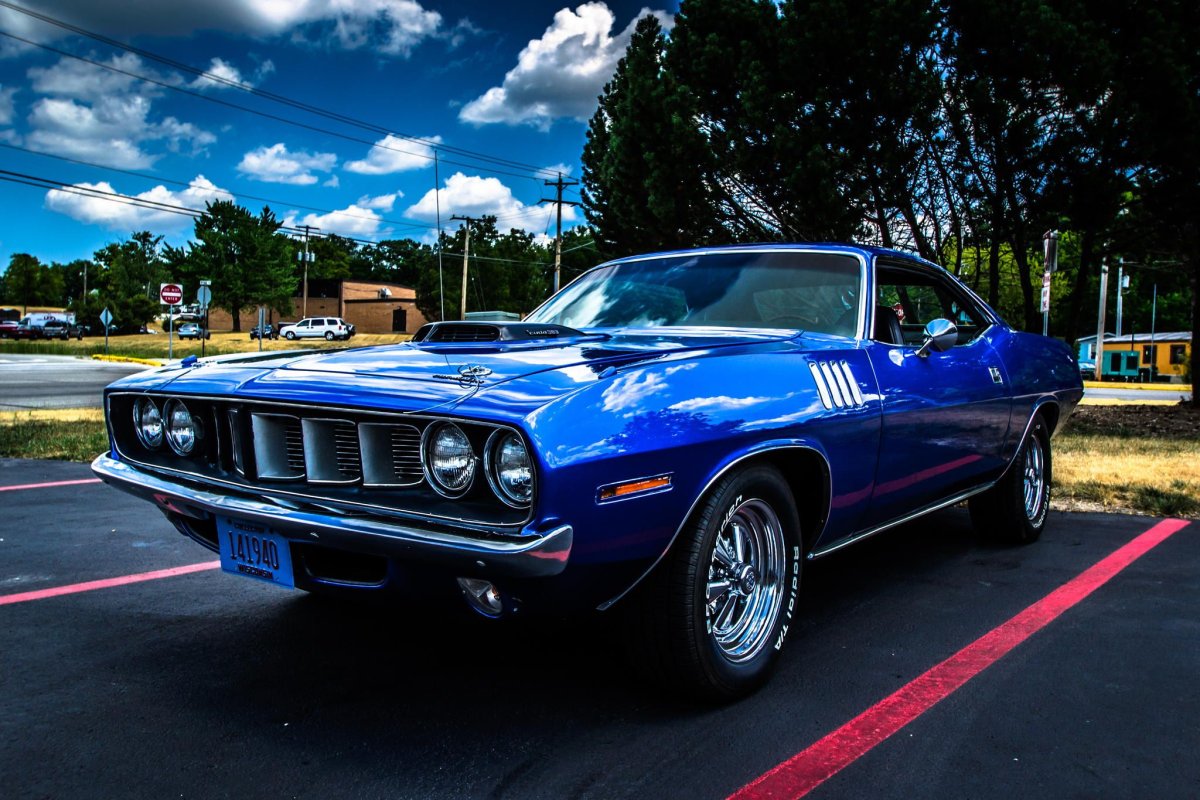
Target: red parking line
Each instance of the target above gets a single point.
(819, 762)
(107, 583)
(48, 485)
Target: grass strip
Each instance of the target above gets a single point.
(1149, 475)
(81, 438)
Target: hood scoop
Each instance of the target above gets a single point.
(479, 332)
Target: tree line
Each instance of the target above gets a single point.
(250, 262)
(958, 130)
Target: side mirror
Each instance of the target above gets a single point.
(940, 335)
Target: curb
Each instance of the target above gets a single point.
(1149, 387)
(128, 360)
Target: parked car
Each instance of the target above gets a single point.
(329, 328)
(266, 330)
(190, 330)
(676, 434)
(61, 329)
(1087, 369)
(8, 329)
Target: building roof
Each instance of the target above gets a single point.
(1140, 338)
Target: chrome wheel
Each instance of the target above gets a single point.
(1035, 479)
(745, 580)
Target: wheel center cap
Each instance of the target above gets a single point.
(747, 579)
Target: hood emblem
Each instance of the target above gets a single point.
(468, 375)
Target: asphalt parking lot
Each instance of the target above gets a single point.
(204, 685)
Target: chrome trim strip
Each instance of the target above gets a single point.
(838, 400)
(545, 555)
(858, 398)
(958, 498)
(704, 492)
(822, 389)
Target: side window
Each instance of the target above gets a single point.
(917, 296)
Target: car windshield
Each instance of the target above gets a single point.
(776, 289)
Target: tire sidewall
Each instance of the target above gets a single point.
(1033, 527)
(767, 485)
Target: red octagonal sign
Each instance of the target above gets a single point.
(170, 294)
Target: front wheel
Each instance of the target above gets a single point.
(715, 613)
(291, 335)
(329, 336)
(1014, 510)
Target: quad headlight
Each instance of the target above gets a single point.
(183, 430)
(448, 459)
(148, 423)
(509, 468)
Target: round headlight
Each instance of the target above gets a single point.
(449, 460)
(182, 428)
(509, 468)
(148, 423)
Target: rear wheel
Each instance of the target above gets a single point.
(1014, 510)
(713, 616)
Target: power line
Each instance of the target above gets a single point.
(272, 96)
(257, 112)
(215, 190)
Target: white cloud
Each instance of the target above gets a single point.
(475, 196)
(390, 27)
(95, 208)
(6, 105)
(332, 183)
(275, 164)
(360, 219)
(383, 202)
(223, 73)
(391, 154)
(83, 81)
(110, 131)
(562, 73)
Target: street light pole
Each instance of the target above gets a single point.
(307, 258)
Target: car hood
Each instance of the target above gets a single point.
(506, 377)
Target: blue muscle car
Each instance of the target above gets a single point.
(670, 437)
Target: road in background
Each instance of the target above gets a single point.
(33, 382)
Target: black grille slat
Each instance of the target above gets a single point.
(294, 439)
(406, 454)
(345, 440)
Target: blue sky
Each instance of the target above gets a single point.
(480, 82)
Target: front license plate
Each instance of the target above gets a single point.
(254, 551)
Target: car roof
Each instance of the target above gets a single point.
(867, 251)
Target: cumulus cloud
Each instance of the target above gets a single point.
(83, 81)
(6, 105)
(389, 27)
(359, 219)
(476, 196)
(561, 74)
(276, 164)
(391, 154)
(111, 131)
(91, 203)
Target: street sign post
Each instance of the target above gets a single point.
(105, 318)
(171, 295)
(203, 298)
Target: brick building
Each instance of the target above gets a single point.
(370, 306)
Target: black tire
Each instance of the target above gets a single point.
(713, 644)
(291, 335)
(1014, 510)
(329, 336)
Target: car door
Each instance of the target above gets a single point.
(945, 415)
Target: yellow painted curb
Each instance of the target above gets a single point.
(1151, 387)
(1113, 401)
(128, 360)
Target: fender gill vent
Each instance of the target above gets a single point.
(836, 384)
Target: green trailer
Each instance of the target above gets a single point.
(1120, 365)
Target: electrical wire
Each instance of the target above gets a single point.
(272, 96)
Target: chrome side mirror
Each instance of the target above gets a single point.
(940, 335)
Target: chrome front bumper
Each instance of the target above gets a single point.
(542, 556)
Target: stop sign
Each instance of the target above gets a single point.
(170, 294)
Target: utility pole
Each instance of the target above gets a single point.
(1100, 322)
(559, 185)
(1122, 284)
(307, 258)
(462, 314)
